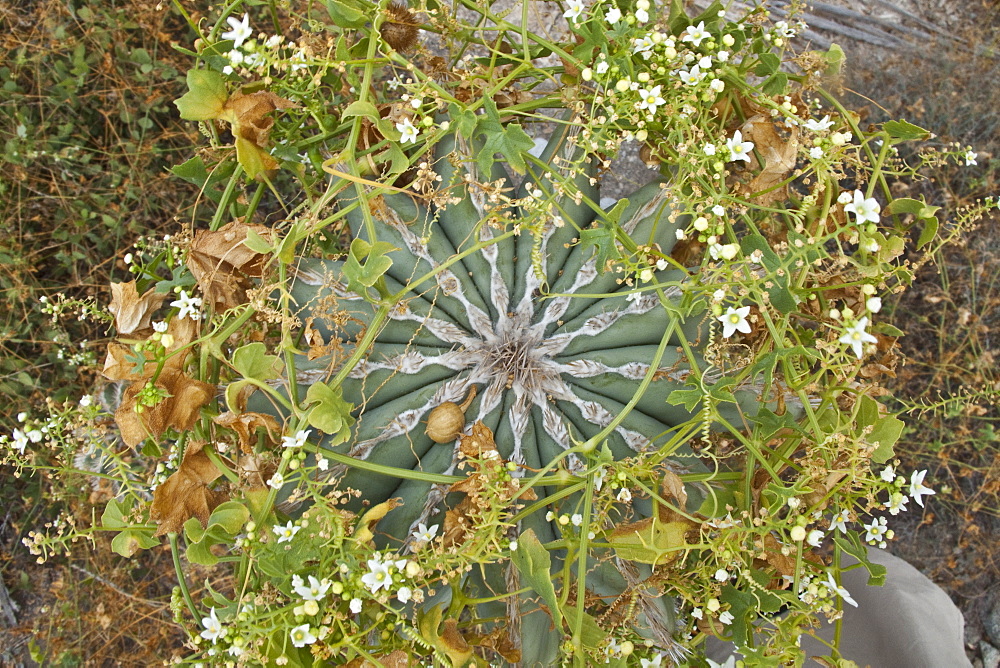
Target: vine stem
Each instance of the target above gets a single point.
(181, 582)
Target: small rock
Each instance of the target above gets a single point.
(990, 654)
(991, 625)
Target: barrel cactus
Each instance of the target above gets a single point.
(529, 334)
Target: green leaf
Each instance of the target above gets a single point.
(834, 58)
(688, 398)
(776, 84)
(768, 65)
(223, 525)
(652, 541)
(360, 276)
(114, 514)
(602, 237)
(905, 131)
(130, 541)
(851, 543)
(205, 98)
(330, 413)
(345, 16)
(233, 392)
(463, 120)
(511, 141)
(885, 430)
(535, 564)
(591, 634)
(742, 606)
(923, 212)
(257, 243)
(929, 232)
(361, 108)
(252, 361)
(254, 159)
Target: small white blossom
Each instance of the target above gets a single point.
(697, 613)
(404, 594)
(815, 537)
(276, 481)
(695, 34)
(970, 158)
(408, 131)
(843, 593)
(314, 591)
(241, 30)
(819, 126)
(575, 9)
(873, 304)
(425, 535)
(378, 576)
(722, 575)
(355, 605)
(844, 198)
(897, 502)
(285, 533)
(734, 320)
(856, 337)
(875, 531)
(613, 15)
(726, 618)
(642, 44)
(190, 307)
(302, 636)
(576, 519)
(839, 521)
(624, 495)
(888, 474)
(649, 99)
(213, 627)
(739, 149)
(19, 441)
(864, 210)
(296, 441)
(322, 463)
(816, 153)
(917, 488)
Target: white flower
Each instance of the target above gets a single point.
(815, 537)
(970, 158)
(697, 613)
(190, 307)
(692, 77)
(20, 441)
(213, 627)
(651, 663)
(734, 320)
(86, 400)
(613, 15)
(865, 210)
(575, 9)
(726, 617)
(897, 502)
(316, 589)
(302, 636)
(160, 326)
(728, 663)
(576, 519)
(425, 535)
(816, 152)
(624, 495)
(819, 126)
(856, 337)
(512, 546)
(322, 463)
(876, 531)
(602, 67)
(641, 15)
(276, 481)
(695, 34)
(241, 30)
(917, 488)
(296, 441)
(722, 56)
(718, 85)
(355, 605)
(782, 29)
(874, 304)
(843, 593)
(285, 533)
(839, 521)
(34, 435)
(378, 576)
(649, 99)
(640, 45)
(709, 149)
(844, 198)
(722, 575)
(404, 594)
(705, 62)
(739, 149)
(408, 130)
(888, 473)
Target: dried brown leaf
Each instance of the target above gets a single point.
(223, 264)
(179, 410)
(246, 424)
(185, 494)
(779, 155)
(249, 114)
(133, 314)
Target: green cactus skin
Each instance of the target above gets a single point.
(548, 371)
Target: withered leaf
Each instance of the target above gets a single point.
(246, 424)
(249, 114)
(779, 155)
(364, 531)
(179, 410)
(133, 314)
(222, 263)
(397, 659)
(185, 494)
